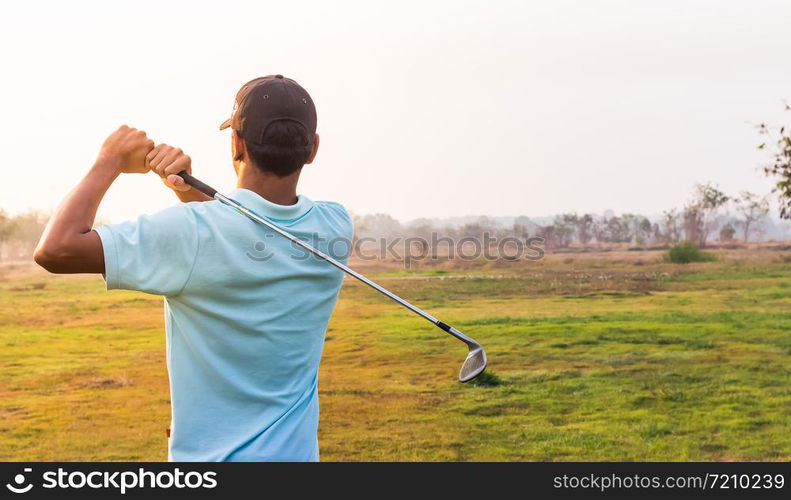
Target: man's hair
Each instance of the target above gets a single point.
(285, 148)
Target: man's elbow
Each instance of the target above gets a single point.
(51, 257)
(79, 254)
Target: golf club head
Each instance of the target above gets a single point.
(474, 365)
(475, 362)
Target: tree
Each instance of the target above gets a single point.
(656, 233)
(618, 229)
(693, 223)
(780, 167)
(584, 226)
(570, 225)
(700, 214)
(641, 228)
(19, 234)
(753, 209)
(557, 235)
(727, 232)
(671, 232)
(600, 231)
(547, 233)
(521, 227)
(478, 228)
(564, 229)
(6, 229)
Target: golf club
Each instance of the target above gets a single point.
(475, 362)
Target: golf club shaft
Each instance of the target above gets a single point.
(211, 192)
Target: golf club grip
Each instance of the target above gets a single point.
(200, 186)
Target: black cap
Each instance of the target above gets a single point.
(268, 99)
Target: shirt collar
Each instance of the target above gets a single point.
(264, 207)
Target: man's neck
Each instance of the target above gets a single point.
(278, 190)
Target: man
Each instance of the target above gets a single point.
(245, 311)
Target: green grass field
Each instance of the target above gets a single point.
(593, 357)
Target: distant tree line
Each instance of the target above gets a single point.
(701, 220)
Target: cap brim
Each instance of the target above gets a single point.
(225, 124)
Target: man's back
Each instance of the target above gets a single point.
(246, 313)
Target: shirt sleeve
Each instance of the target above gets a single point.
(153, 254)
(342, 227)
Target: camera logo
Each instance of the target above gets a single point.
(20, 479)
(263, 254)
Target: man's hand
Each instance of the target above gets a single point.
(126, 150)
(168, 162)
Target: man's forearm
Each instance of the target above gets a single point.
(67, 244)
(78, 211)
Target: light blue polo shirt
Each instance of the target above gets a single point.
(246, 312)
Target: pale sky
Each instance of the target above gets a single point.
(426, 109)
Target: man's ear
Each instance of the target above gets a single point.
(238, 147)
(315, 149)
